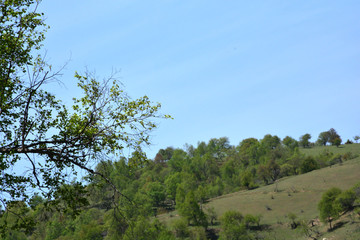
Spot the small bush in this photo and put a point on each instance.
(293, 223)
(335, 159)
(252, 221)
(233, 227)
(349, 156)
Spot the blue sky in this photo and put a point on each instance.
(231, 68)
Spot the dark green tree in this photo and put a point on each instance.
(157, 193)
(273, 170)
(249, 150)
(263, 173)
(171, 182)
(191, 210)
(304, 140)
(270, 142)
(333, 136)
(164, 155)
(324, 138)
(178, 160)
(337, 141)
(218, 148)
(290, 142)
(247, 180)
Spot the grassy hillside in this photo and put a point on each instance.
(354, 148)
(296, 194)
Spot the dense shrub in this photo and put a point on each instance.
(346, 199)
(309, 164)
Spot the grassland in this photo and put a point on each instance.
(342, 149)
(296, 194)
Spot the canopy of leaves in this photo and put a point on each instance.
(48, 139)
(329, 209)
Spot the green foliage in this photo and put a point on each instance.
(70, 198)
(346, 199)
(290, 142)
(35, 201)
(115, 223)
(269, 172)
(328, 207)
(249, 149)
(144, 229)
(309, 164)
(324, 138)
(171, 182)
(334, 137)
(177, 160)
(180, 196)
(89, 231)
(201, 194)
(230, 172)
(212, 215)
(233, 227)
(191, 211)
(337, 141)
(270, 142)
(180, 227)
(263, 173)
(157, 193)
(164, 154)
(22, 31)
(252, 221)
(304, 140)
(217, 148)
(247, 180)
(35, 125)
(16, 217)
(274, 170)
(287, 170)
(198, 233)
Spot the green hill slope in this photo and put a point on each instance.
(297, 194)
(342, 149)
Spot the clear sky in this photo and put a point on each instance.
(229, 68)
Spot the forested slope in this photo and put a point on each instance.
(264, 178)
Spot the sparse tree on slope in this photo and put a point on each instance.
(333, 137)
(328, 207)
(324, 138)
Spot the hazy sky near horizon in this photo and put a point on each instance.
(230, 68)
